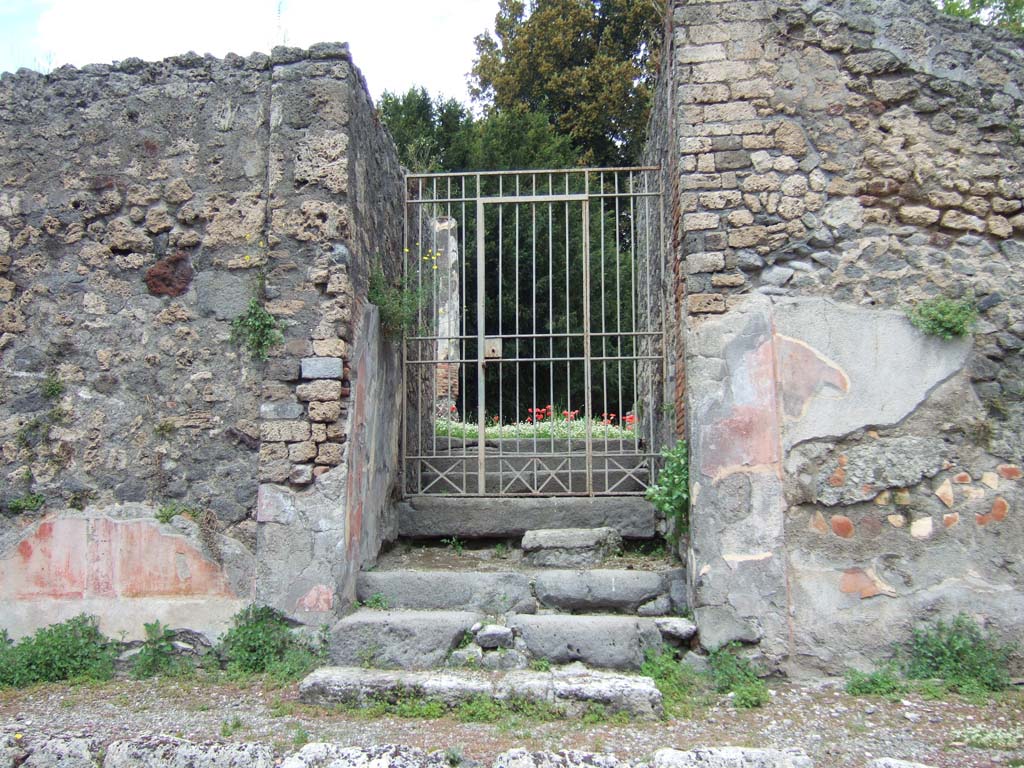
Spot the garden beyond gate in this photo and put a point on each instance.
(535, 357)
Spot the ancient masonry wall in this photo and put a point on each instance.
(851, 477)
(143, 206)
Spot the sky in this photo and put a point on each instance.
(396, 43)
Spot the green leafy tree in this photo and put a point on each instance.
(588, 64)
(430, 133)
(1007, 14)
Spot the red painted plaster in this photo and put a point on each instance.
(100, 557)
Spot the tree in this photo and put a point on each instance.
(430, 133)
(589, 65)
(435, 134)
(1007, 14)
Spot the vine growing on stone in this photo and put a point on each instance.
(257, 330)
(944, 317)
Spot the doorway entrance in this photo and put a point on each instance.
(536, 360)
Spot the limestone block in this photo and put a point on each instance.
(330, 454)
(324, 411)
(731, 757)
(705, 303)
(704, 262)
(323, 390)
(300, 452)
(284, 431)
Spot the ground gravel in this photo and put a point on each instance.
(835, 729)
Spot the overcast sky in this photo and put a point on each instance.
(396, 43)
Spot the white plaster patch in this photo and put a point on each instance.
(921, 528)
(735, 559)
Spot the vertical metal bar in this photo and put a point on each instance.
(533, 314)
(404, 421)
(480, 331)
(588, 439)
(515, 304)
(568, 332)
(632, 306)
(618, 305)
(551, 303)
(501, 329)
(420, 404)
(464, 331)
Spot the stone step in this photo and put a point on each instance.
(395, 639)
(609, 642)
(483, 592)
(432, 517)
(649, 593)
(399, 639)
(571, 690)
(570, 547)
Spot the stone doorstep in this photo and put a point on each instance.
(426, 517)
(570, 547)
(574, 689)
(422, 640)
(608, 590)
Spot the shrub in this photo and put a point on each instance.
(959, 653)
(882, 682)
(53, 387)
(943, 317)
(399, 306)
(261, 642)
(678, 683)
(671, 493)
(732, 673)
(30, 502)
(257, 330)
(157, 656)
(69, 650)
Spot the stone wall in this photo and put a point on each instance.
(143, 207)
(838, 162)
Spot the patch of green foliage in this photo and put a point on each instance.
(30, 502)
(455, 544)
(540, 665)
(36, 431)
(260, 642)
(1005, 14)
(556, 428)
(170, 510)
(961, 654)
(484, 709)
(376, 602)
(229, 727)
(257, 330)
(399, 305)
(74, 649)
(157, 655)
(944, 317)
(681, 686)
(671, 493)
(731, 673)
(301, 737)
(53, 387)
(885, 681)
(986, 737)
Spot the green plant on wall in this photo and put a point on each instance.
(399, 305)
(671, 493)
(257, 330)
(944, 317)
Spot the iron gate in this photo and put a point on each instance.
(536, 354)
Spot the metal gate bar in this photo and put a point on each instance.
(539, 236)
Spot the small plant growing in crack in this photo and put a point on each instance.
(455, 544)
